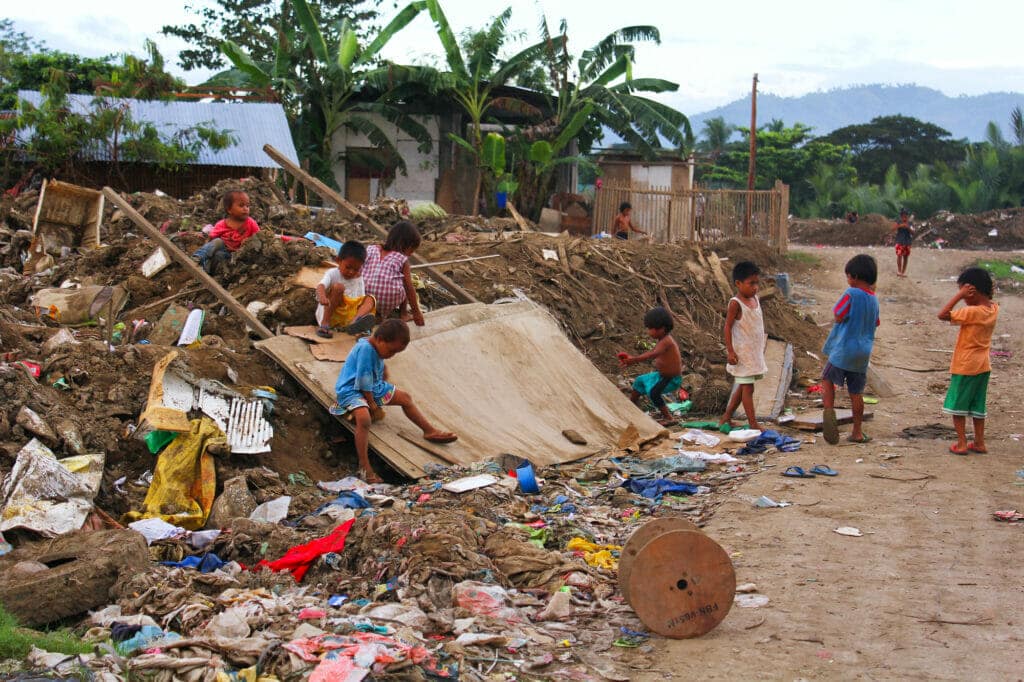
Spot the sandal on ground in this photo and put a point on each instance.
(830, 425)
(824, 470)
(361, 325)
(441, 438)
(974, 448)
(864, 438)
(797, 472)
(324, 332)
(955, 451)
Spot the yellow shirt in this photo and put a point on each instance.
(971, 355)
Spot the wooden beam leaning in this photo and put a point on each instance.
(183, 259)
(328, 194)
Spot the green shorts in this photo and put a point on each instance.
(966, 395)
(748, 380)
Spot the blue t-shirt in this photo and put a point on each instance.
(850, 342)
(363, 371)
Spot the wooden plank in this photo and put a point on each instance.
(520, 221)
(770, 393)
(812, 420)
(468, 259)
(183, 259)
(328, 194)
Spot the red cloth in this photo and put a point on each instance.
(298, 559)
(232, 238)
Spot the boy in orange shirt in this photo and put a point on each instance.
(971, 365)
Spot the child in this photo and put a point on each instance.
(745, 342)
(363, 391)
(624, 223)
(904, 238)
(341, 297)
(849, 346)
(229, 234)
(971, 366)
(388, 275)
(668, 364)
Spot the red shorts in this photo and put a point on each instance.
(902, 249)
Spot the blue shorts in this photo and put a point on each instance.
(382, 395)
(654, 386)
(855, 381)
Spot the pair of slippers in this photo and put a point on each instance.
(819, 469)
(830, 428)
(971, 447)
(360, 325)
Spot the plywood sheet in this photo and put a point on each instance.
(770, 392)
(504, 377)
(306, 332)
(336, 351)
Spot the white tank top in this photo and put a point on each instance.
(748, 340)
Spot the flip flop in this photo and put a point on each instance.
(361, 325)
(444, 438)
(324, 332)
(796, 472)
(864, 438)
(952, 448)
(830, 425)
(974, 448)
(824, 470)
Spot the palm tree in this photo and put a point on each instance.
(1017, 126)
(716, 136)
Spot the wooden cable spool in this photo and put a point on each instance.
(680, 582)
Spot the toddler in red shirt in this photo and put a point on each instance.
(229, 234)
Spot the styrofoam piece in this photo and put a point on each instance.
(467, 483)
(192, 330)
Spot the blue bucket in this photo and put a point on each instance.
(527, 479)
(501, 198)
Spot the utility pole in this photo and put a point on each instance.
(752, 168)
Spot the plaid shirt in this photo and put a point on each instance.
(384, 279)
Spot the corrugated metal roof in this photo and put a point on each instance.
(252, 124)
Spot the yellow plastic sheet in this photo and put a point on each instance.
(185, 481)
(596, 555)
(244, 675)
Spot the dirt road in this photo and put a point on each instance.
(883, 606)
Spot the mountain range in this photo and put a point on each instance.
(963, 116)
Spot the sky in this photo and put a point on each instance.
(711, 49)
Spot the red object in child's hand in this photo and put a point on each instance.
(622, 356)
(816, 388)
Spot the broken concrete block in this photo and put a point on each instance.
(236, 502)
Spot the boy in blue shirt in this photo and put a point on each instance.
(849, 346)
(363, 391)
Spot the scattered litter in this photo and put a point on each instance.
(744, 588)
(272, 511)
(1009, 515)
(157, 529)
(155, 263)
(467, 483)
(743, 435)
(766, 502)
(849, 531)
(750, 601)
(695, 437)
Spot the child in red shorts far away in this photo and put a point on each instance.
(745, 342)
(904, 238)
(971, 364)
(229, 234)
(849, 347)
(363, 390)
(668, 364)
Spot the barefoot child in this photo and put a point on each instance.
(229, 234)
(668, 364)
(624, 222)
(341, 297)
(849, 347)
(388, 275)
(363, 391)
(904, 238)
(971, 366)
(745, 342)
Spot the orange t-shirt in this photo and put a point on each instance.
(971, 355)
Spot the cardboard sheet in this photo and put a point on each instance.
(770, 392)
(504, 377)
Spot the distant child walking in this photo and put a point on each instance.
(745, 341)
(904, 238)
(849, 347)
(341, 297)
(971, 365)
(363, 390)
(667, 362)
(624, 222)
(229, 234)
(388, 275)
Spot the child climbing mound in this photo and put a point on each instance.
(229, 234)
(667, 362)
(971, 365)
(363, 391)
(341, 297)
(745, 342)
(388, 275)
(849, 347)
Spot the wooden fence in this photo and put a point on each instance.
(701, 215)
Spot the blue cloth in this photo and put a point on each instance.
(768, 439)
(144, 639)
(850, 342)
(363, 371)
(346, 499)
(654, 488)
(207, 563)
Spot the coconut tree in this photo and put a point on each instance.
(715, 136)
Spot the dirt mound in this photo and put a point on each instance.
(870, 230)
(999, 230)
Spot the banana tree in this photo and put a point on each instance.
(324, 98)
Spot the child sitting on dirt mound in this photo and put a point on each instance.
(341, 296)
(971, 364)
(745, 342)
(388, 275)
(363, 391)
(849, 347)
(229, 234)
(667, 361)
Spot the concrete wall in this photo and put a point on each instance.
(422, 169)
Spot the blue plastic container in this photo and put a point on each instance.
(527, 479)
(501, 198)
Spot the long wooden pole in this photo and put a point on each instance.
(169, 247)
(328, 194)
(752, 167)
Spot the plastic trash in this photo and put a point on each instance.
(766, 502)
(272, 511)
(527, 479)
(485, 600)
(750, 601)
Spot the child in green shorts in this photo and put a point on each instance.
(971, 365)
